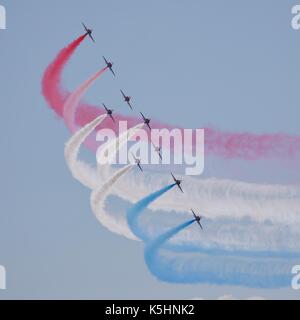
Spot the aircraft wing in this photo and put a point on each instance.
(200, 225)
(173, 177)
(129, 105)
(179, 186)
(123, 94)
(86, 29)
(143, 116)
(112, 71)
(104, 106)
(194, 213)
(92, 38)
(105, 59)
(157, 149)
(112, 118)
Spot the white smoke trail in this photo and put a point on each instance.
(218, 198)
(98, 197)
(74, 98)
(272, 211)
(87, 175)
(237, 216)
(241, 219)
(82, 171)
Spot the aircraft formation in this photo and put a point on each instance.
(127, 99)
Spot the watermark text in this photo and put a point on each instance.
(159, 146)
(296, 279)
(295, 23)
(2, 278)
(2, 18)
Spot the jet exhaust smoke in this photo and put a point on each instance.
(246, 146)
(73, 100)
(87, 175)
(79, 170)
(97, 200)
(220, 199)
(214, 269)
(52, 89)
(137, 209)
(197, 266)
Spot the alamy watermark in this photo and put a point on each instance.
(295, 22)
(2, 278)
(2, 18)
(296, 279)
(157, 146)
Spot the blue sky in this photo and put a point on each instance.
(233, 65)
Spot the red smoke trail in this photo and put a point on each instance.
(52, 90)
(72, 102)
(251, 146)
(226, 145)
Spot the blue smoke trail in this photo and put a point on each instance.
(137, 209)
(152, 246)
(264, 273)
(190, 266)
